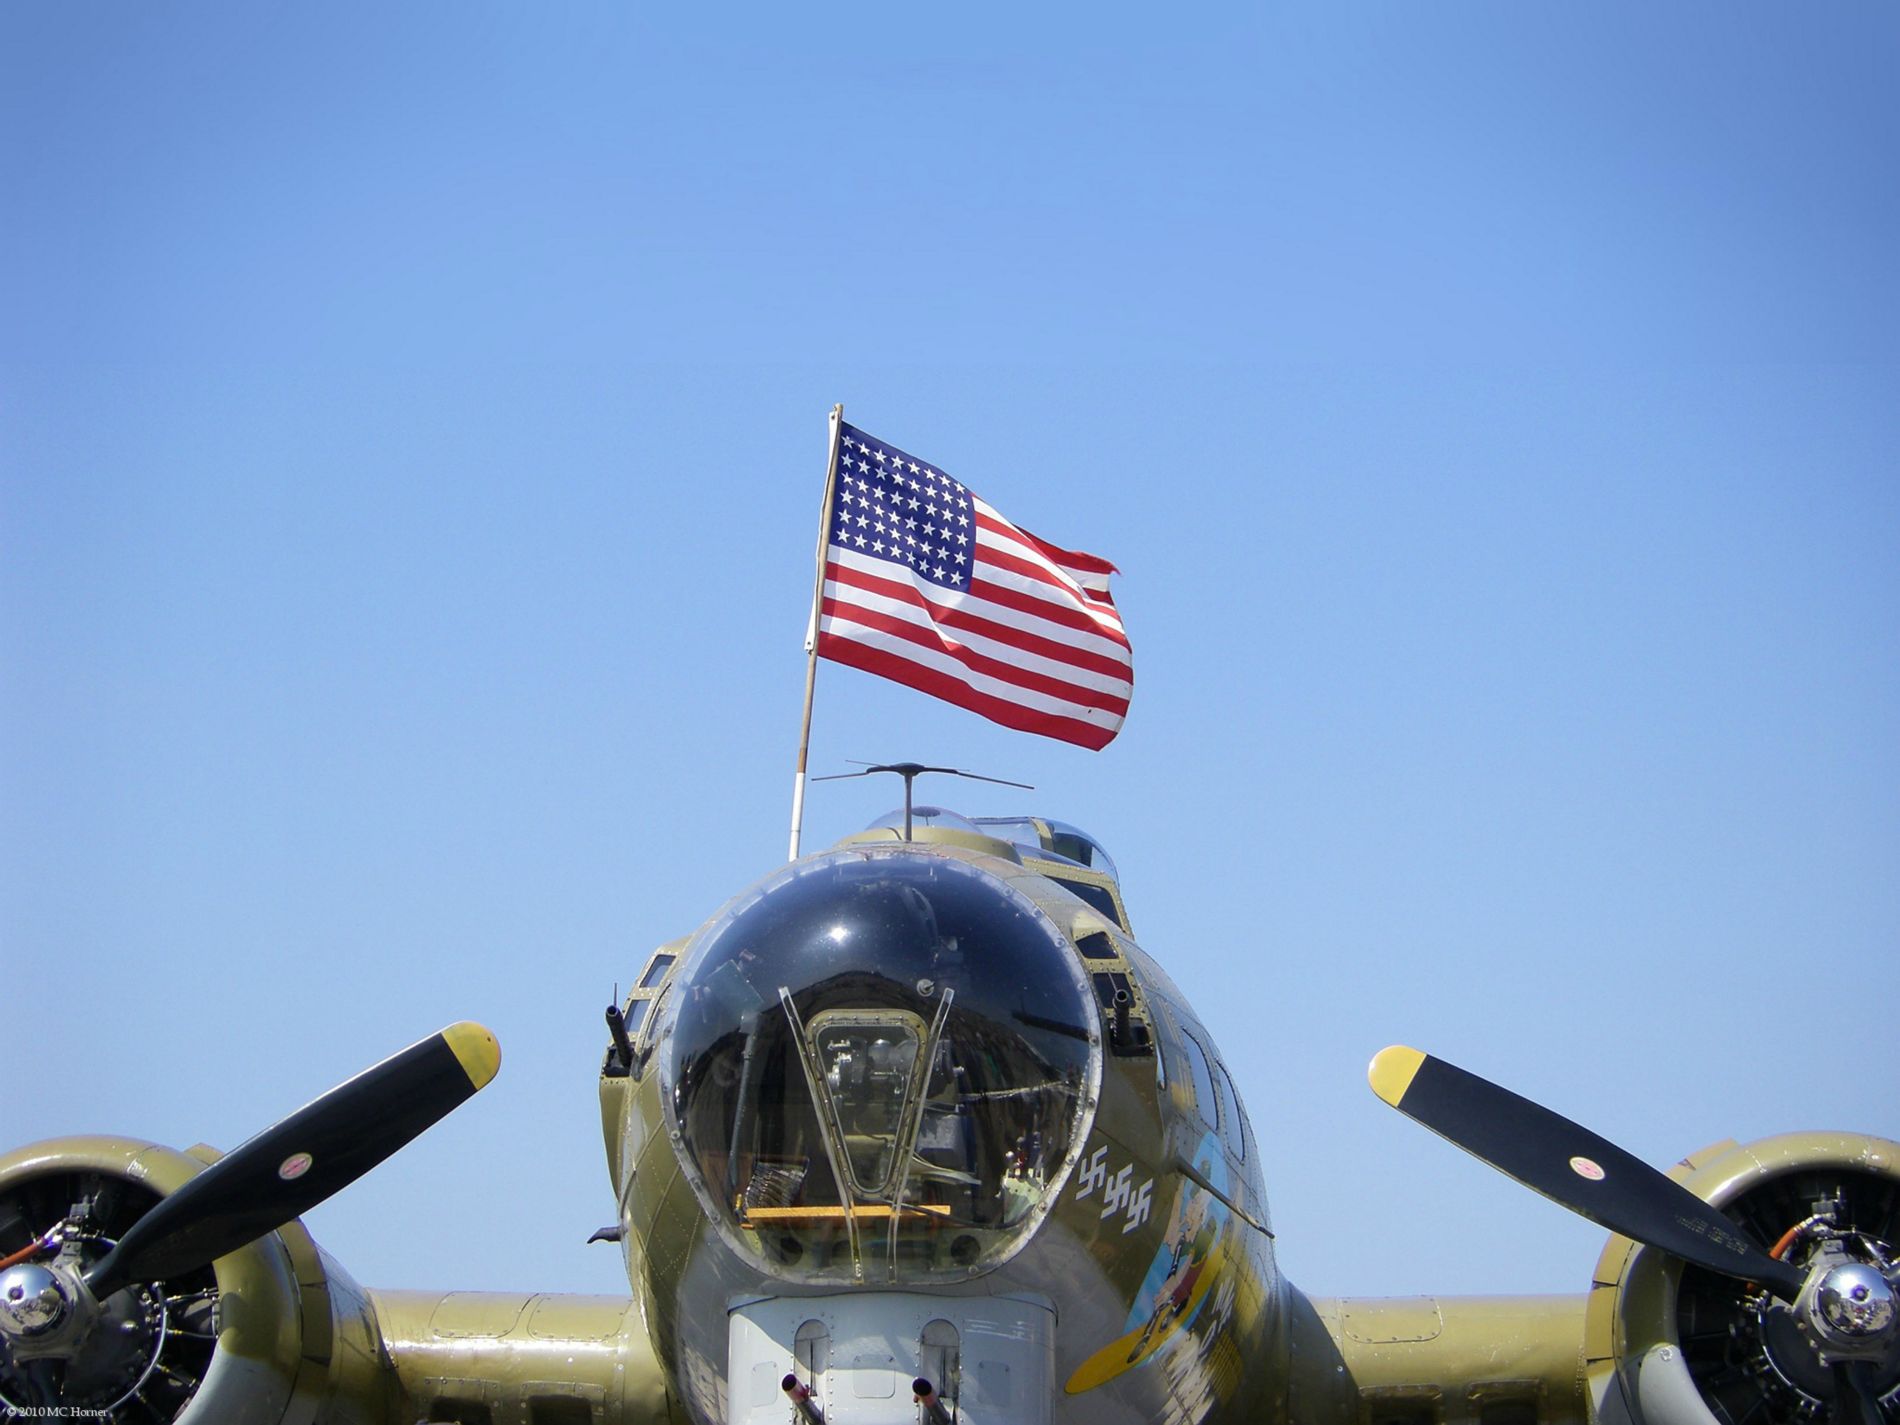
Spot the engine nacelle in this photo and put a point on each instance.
(1670, 1344)
(273, 1332)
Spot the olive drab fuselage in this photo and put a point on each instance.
(1132, 1206)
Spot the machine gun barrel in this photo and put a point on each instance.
(932, 1403)
(800, 1394)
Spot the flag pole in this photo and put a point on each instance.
(811, 631)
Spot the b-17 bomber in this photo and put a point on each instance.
(913, 1130)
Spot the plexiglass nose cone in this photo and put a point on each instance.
(881, 1056)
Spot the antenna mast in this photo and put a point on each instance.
(910, 771)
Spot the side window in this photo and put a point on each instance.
(1232, 1128)
(637, 1016)
(644, 1000)
(654, 1017)
(1202, 1077)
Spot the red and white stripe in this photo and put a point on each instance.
(1035, 644)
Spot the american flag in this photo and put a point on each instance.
(928, 585)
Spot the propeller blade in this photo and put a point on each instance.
(1571, 1165)
(1856, 1402)
(291, 1167)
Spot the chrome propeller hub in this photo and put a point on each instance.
(33, 1301)
(45, 1311)
(1854, 1301)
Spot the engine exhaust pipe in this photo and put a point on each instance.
(800, 1394)
(927, 1396)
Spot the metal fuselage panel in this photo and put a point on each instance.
(1154, 1253)
(860, 1354)
(1476, 1360)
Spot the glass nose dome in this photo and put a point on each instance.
(881, 1066)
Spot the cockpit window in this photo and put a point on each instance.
(1097, 896)
(880, 1065)
(1046, 837)
(1080, 847)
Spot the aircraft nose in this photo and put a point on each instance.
(884, 1055)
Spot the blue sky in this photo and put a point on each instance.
(411, 427)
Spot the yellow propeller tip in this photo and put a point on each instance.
(476, 1049)
(1391, 1071)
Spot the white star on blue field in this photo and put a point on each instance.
(890, 506)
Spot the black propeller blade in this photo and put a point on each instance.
(1855, 1396)
(1573, 1166)
(287, 1169)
